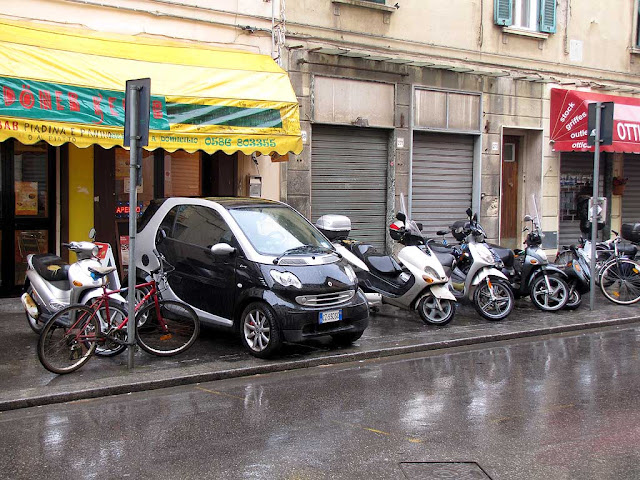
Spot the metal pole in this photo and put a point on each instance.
(134, 97)
(594, 208)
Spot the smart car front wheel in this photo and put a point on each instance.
(259, 330)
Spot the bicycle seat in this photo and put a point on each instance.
(101, 271)
(50, 267)
(628, 250)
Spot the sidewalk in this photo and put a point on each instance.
(218, 354)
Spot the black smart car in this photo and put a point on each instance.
(254, 265)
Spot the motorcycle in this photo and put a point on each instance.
(475, 272)
(531, 273)
(415, 282)
(52, 284)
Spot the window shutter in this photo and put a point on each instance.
(548, 16)
(502, 12)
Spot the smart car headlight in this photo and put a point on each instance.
(286, 279)
(351, 275)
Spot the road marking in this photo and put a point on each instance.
(237, 397)
(376, 431)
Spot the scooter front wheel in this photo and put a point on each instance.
(435, 311)
(549, 293)
(493, 299)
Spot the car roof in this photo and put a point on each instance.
(226, 202)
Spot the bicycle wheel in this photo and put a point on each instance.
(68, 339)
(620, 281)
(167, 330)
(114, 342)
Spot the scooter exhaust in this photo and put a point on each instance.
(29, 305)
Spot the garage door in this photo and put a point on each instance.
(349, 177)
(631, 197)
(442, 179)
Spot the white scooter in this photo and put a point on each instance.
(475, 272)
(417, 283)
(52, 284)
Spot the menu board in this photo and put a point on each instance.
(26, 198)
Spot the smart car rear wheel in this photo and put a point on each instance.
(259, 330)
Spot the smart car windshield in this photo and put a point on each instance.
(276, 230)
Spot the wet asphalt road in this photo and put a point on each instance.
(556, 407)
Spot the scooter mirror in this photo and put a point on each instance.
(442, 232)
(469, 211)
(419, 225)
(527, 218)
(92, 234)
(475, 217)
(401, 216)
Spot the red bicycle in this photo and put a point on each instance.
(75, 333)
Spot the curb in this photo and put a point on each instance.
(187, 379)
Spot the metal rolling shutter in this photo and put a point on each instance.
(349, 177)
(631, 197)
(573, 166)
(442, 180)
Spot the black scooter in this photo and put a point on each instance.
(531, 274)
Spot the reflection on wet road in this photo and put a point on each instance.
(562, 407)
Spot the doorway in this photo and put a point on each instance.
(27, 208)
(509, 224)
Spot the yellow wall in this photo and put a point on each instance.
(80, 192)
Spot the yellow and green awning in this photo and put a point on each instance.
(62, 85)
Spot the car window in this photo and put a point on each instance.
(275, 229)
(201, 226)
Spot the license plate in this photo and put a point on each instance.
(332, 316)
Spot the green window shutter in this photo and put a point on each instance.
(548, 16)
(502, 12)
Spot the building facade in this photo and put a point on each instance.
(450, 103)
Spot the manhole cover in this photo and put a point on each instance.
(443, 471)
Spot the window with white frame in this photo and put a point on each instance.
(525, 14)
(528, 15)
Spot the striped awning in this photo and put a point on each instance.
(63, 85)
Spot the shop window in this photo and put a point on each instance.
(145, 191)
(527, 15)
(31, 180)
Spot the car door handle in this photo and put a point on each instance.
(243, 266)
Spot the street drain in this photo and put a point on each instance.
(443, 471)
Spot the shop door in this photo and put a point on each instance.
(509, 225)
(631, 195)
(349, 177)
(576, 176)
(27, 213)
(441, 179)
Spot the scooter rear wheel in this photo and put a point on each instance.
(431, 314)
(549, 293)
(496, 306)
(575, 299)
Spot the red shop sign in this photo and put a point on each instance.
(569, 117)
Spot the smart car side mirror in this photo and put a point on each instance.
(160, 236)
(221, 249)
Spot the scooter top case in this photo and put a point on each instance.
(385, 275)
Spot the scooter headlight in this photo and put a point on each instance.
(485, 255)
(430, 275)
(351, 275)
(286, 279)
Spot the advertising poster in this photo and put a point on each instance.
(26, 198)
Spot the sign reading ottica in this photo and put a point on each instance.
(569, 129)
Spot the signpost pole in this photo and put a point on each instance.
(594, 208)
(133, 93)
